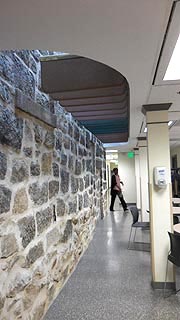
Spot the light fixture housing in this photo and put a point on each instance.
(164, 74)
(173, 69)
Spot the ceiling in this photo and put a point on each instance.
(126, 35)
(95, 94)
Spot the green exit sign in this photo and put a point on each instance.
(130, 154)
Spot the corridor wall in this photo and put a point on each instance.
(52, 189)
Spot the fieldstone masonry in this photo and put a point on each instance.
(52, 189)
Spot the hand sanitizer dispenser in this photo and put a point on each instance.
(160, 179)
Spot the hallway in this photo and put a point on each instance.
(111, 282)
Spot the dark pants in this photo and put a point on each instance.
(115, 193)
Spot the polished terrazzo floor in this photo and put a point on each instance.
(113, 283)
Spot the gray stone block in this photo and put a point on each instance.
(87, 183)
(20, 201)
(43, 219)
(63, 159)
(8, 245)
(53, 237)
(55, 168)
(74, 148)
(80, 201)
(35, 168)
(64, 181)
(60, 208)
(81, 184)
(6, 67)
(35, 253)
(27, 152)
(86, 200)
(49, 140)
(76, 134)
(38, 133)
(66, 143)
(73, 206)
(19, 171)
(78, 167)
(58, 140)
(89, 165)
(23, 78)
(70, 129)
(39, 192)
(42, 99)
(98, 164)
(67, 231)
(74, 184)
(11, 129)
(24, 55)
(6, 92)
(88, 140)
(80, 151)
(46, 163)
(27, 131)
(99, 150)
(17, 282)
(5, 199)
(82, 139)
(53, 188)
(3, 165)
(71, 163)
(27, 229)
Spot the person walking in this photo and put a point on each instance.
(116, 190)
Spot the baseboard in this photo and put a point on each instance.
(160, 285)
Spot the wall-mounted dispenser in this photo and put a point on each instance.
(160, 179)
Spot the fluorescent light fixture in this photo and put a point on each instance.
(173, 70)
(114, 145)
(114, 161)
(111, 151)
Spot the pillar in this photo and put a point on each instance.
(159, 198)
(137, 176)
(143, 171)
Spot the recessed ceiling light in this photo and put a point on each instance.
(170, 123)
(145, 129)
(115, 144)
(173, 69)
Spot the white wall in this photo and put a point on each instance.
(126, 168)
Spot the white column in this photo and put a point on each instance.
(160, 198)
(137, 176)
(144, 192)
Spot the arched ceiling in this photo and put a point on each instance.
(95, 94)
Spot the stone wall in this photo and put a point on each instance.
(52, 190)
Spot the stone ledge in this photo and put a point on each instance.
(26, 104)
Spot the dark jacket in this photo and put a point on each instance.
(113, 183)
